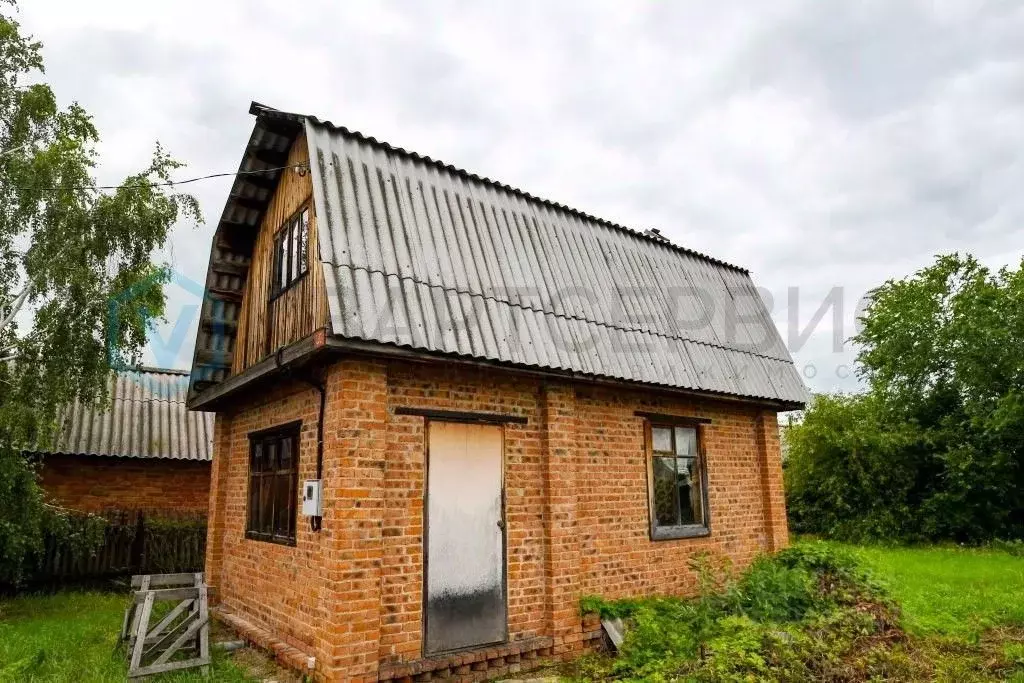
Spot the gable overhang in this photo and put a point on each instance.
(259, 172)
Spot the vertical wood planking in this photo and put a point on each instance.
(140, 633)
(264, 325)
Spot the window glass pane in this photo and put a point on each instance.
(282, 261)
(257, 457)
(666, 510)
(286, 249)
(271, 455)
(287, 448)
(252, 523)
(661, 439)
(304, 241)
(294, 236)
(281, 504)
(275, 278)
(266, 506)
(690, 499)
(686, 441)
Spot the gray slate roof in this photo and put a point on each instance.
(146, 418)
(423, 255)
(426, 256)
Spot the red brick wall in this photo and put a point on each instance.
(576, 506)
(95, 483)
(618, 558)
(278, 586)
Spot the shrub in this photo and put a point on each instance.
(933, 449)
(1014, 547)
(772, 591)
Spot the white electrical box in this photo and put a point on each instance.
(311, 490)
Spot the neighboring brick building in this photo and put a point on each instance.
(143, 451)
(510, 405)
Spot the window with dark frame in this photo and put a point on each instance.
(291, 251)
(678, 484)
(273, 485)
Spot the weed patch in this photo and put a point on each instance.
(812, 612)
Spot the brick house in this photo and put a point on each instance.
(143, 451)
(509, 404)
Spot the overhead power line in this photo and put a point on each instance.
(166, 183)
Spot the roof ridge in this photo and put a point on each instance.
(258, 109)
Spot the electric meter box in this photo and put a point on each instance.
(311, 491)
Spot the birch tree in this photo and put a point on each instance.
(68, 249)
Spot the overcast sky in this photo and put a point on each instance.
(819, 144)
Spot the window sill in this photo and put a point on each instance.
(265, 538)
(668, 533)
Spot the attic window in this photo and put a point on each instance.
(291, 252)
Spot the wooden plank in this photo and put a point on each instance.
(157, 630)
(185, 636)
(144, 584)
(169, 666)
(126, 621)
(164, 580)
(204, 631)
(158, 644)
(140, 632)
(167, 594)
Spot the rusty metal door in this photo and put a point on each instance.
(464, 598)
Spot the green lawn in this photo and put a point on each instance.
(73, 637)
(951, 591)
(963, 608)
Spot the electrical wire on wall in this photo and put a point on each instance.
(316, 522)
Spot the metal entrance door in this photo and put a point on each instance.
(465, 573)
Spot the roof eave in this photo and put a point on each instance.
(315, 348)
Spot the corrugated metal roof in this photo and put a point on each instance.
(424, 255)
(146, 418)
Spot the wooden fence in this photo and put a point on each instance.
(133, 543)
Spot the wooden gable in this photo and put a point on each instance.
(268, 322)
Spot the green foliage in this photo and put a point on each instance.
(935, 448)
(78, 532)
(174, 544)
(849, 472)
(21, 516)
(788, 617)
(1014, 547)
(817, 612)
(78, 286)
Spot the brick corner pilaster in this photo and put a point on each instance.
(218, 500)
(558, 402)
(776, 527)
(355, 421)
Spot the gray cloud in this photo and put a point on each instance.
(819, 144)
